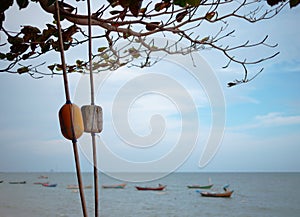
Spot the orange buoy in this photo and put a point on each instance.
(71, 114)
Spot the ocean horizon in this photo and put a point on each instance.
(255, 194)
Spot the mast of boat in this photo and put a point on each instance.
(209, 181)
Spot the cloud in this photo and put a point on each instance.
(272, 119)
(241, 151)
(277, 119)
(237, 98)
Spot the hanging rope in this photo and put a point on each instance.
(90, 53)
(70, 109)
(94, 108)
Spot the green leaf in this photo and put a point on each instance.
(135, 6)
(50, 2)
(5, 5)
(2, 56)
(30, 30)
(105, 56)
(45, 47)
(72, 68)
(15, 40)
(58, 67)
(134, 52)
(51, 67)
(183, 3)
(210, 15)
(22, 3)
(124, 3)
(101, 49)
(294, 3)
(115, 12)
(10, 56)
(79, 63)
(194, 3)
(25, 56)
(158, 6)
(113, 3)
(18, 48)
(152, 26)
(161, 5)
(180, 16)
(23, 69)
(203, 40)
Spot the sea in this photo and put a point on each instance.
(255, 195)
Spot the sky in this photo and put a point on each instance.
(151, 124)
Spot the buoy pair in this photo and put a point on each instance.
(74, 121)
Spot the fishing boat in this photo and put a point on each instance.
(201, 186)
(40, 183)
(77, 186)
(216, 194)
(159, 188)
(49, 185)
(207, 186)
(20, 182)
(43, 177)
(118, 186)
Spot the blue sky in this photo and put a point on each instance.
(262, 117)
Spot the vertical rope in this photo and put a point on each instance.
(93, 103)
(79, 180)
(68, 100)
(62, 54)
(95, 175)
(90, 53)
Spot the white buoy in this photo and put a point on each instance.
(92, 118)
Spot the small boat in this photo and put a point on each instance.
(72, 187)
(77, 187)
(216, 194)
(21, 182)
(43, 177)
(118, 186)
(201, 186)
(159, 188)
(40, 183)
(1, 181)
(49, 185)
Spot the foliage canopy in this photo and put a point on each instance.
(134, 21)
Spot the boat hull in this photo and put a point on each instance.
(117, 186)
(49, 185)
(216, 194)
(22, 182)
(159, 188)
(40, 183)
(200, 186)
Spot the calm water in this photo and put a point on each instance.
(255, 194)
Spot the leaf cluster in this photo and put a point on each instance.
(31, 38)
(32, 42)
(78, 67)
(133, 21)
(293, 3)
